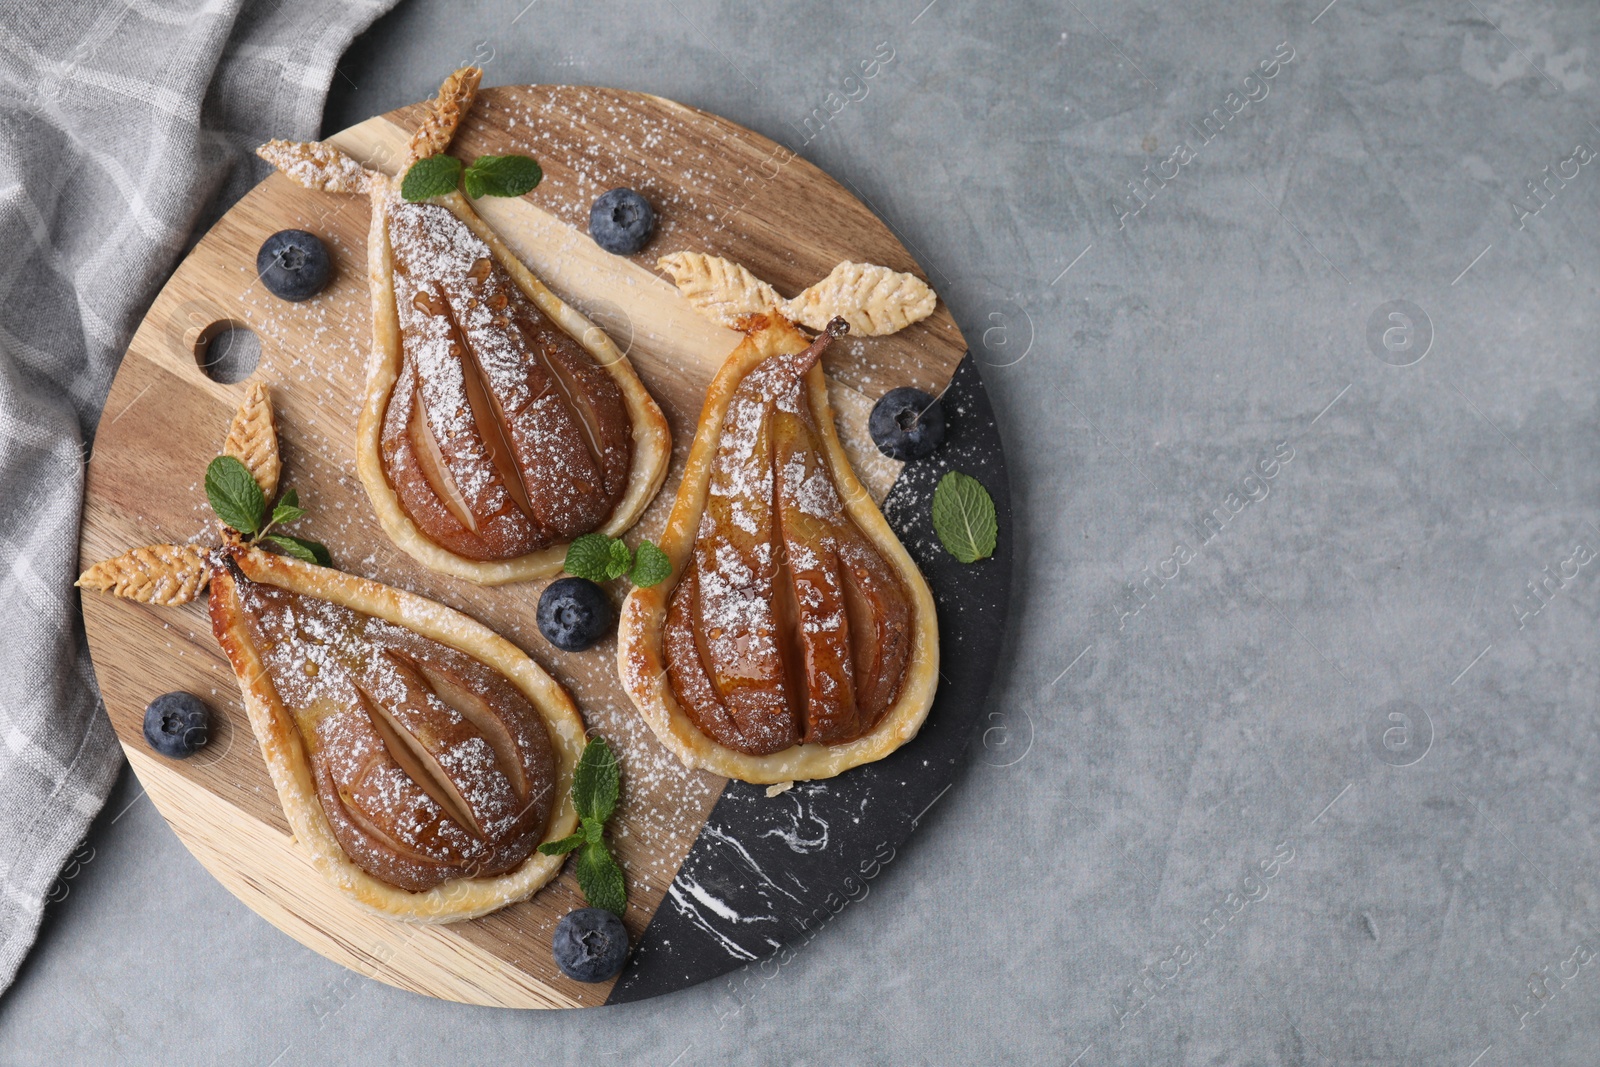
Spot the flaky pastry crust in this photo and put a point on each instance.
(167, 575)
(324, 167)
(286, 758)
(652, 440)
(641, 661)
(253, 439)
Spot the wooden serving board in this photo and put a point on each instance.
(716, 187)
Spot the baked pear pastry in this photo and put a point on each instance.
(795, 638)
(419, 757)
(499, 423)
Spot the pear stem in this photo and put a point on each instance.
(836, 327)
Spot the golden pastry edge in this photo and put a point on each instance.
(283, 749)
(641, 664)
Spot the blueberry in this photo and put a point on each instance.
(906, 423)
(294, 264)
(621, 221)
(176, 724)
(574, 613)
(590, 944)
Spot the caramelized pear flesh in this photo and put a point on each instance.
(429, 764)
(787, 626)
(502, 436)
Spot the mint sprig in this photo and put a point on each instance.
(501, 176)
(650, 566)
(596, 786)
(601, 879)
(602, 559)
(487, 176)
(430, 177)
(598, 558)
(287, 509)
(236, 497)
(618, 559)
(964, 517)
(301, 549)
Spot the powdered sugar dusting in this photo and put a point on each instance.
(432, 247)
(343, 675)
(462, 321)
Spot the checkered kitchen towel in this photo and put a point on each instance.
(125, 127)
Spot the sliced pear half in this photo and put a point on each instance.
(795, 637)
(499, 423)
(419, 757)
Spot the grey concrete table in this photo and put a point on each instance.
(1288, 312)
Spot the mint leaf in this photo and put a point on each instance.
(601, 879)
(234, 494)
(620, 560)
(598, 558)
(650, 566)
(434, 176)
(562, 847)
(501, 176)
(291, 547)
(288, 508)
(589, 557)
(301, 549)
(964, 518)
(597, 782)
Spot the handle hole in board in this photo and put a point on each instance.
(228, 352)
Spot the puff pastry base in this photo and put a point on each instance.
(323, 167)
(652, 440)
(286, 759)
(641, 662)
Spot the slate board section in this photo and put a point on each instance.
(767, 872)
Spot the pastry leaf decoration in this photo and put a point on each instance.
(720, 289)
(596, 785)
(876, 301)
(253, 438)
(964, 517)
(167, 575)
(601, 559)
(439, 174)
(239, 483)
(430, 177)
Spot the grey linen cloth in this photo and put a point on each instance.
(124, 129)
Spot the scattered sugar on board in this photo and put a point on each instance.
(661, 791)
